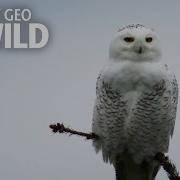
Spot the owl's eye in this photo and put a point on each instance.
(129, 39)
(149, 39)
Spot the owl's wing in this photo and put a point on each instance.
(153, 119)
(110, 111)
(174, 92)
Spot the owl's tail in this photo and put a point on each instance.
(127, 169)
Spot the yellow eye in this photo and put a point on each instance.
(129, 39)
(149, 39)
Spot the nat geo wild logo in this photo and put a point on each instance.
(18, 29)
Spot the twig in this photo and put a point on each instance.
(168, 166)
(164, 161)
(60, 128)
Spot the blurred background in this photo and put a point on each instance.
(57, 84)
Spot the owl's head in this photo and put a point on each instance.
(135, 43)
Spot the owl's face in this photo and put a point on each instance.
(135, 43)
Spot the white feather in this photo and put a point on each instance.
(136, 101)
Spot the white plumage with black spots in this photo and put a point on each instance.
(135, 108)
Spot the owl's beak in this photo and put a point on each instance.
(139, 50)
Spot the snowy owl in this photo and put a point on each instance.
(136, 101)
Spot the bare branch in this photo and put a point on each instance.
(168, 166)
(164, 161)
(60, 128)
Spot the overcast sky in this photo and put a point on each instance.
(57, 84)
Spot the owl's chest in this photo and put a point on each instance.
(134, 76)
